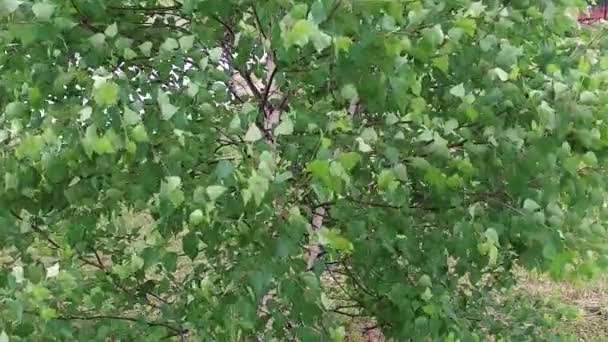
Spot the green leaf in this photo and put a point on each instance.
(253, 133)
(170, 189)
(337, 334)
(530, 205)
(198, 196)
(224, 169)
(400, 171)
(349, 92)
(130, 117)
(343, 43)
(4, 337)
(501, 74)
(103, 145)
(434, 35)
(145, 48)
(196, 217)
(320, 40)
(106, 93)
(215, 191)
(508, 55)
(458, 90)
(468, 26)
(215, 54)
(193, 89)
(369, 135)
(43, 10)
(139, 134)
(386, 180)
(9, 6)
(284, 128)
(111, 31)
(349, 160)
(317, 12)
(300, 34)
(442, 63)
(333, 239)
(52, 271)
(30, 147)
(167, 110)
(319, 169)
(98, 40)
(363, 146)
(426, 295)
(493, 255)
(186, 42)
(47, 313)
(129, 54)
(549, 250)
(476, 9)
(190, 245)
(169, 45)
(258, 186)
(425, 281)
(11, 181)
(492, 236)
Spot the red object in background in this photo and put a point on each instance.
(595, 13)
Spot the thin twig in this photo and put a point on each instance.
(264, 100)
(258, 22)
(224, 24)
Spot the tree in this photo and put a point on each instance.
(231, 169)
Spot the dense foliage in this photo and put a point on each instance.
(225, 170)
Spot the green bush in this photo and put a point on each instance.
(233, 169)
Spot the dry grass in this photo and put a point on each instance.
(582, 308)
(588, 298)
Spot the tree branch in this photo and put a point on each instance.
(374, 204)
(146, 9)
(264, 100)
(121, 318)
(84, 21)
(224, 24)
(316, 223)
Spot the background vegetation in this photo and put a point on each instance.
(297, 170)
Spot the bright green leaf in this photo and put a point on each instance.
(106, 93)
